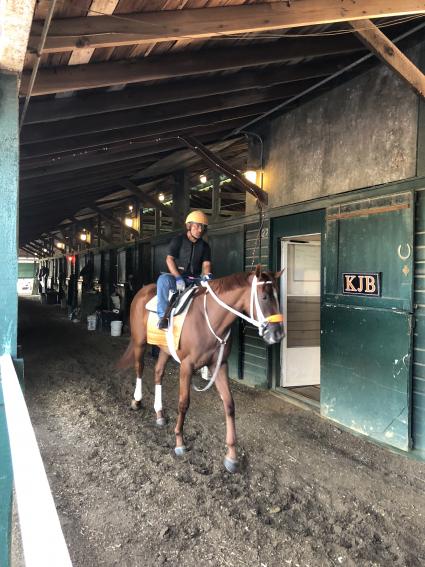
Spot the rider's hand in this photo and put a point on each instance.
(180, 284)
(206, 277)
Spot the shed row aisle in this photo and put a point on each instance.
(309, 494)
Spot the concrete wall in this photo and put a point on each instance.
(361, 133)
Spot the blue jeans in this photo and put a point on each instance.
(165, 283)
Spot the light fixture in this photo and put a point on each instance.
(60, 245)
(203, 178)
(130, 208)
(250, 175)
(161, 197)
(128, 221)
(45, 250)
(83, 236)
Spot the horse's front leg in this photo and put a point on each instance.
(223, 388)
(139, 352)
(186, 370)
(159, 374)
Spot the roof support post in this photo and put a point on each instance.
(157, 221)
(9, 175)
(216, 200)
(181, 198)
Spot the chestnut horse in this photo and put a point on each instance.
(203, 342)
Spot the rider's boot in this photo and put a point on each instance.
(163, 323)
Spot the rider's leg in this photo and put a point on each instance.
(159, 374)
(165, 283)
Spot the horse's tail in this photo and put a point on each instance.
(127, 358)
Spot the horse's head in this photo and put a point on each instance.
(264, 305)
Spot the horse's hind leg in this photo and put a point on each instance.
(159, 374)
(222, 385)
(139, 353)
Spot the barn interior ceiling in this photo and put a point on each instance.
(109, 87)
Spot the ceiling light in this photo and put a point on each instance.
(250, 175)
(130, 208)
(128, 222)
(161, 197)
(83, 236)
(203, 178)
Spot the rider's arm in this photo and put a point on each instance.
(206, 267)
(172, 267)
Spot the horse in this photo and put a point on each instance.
(204, 342)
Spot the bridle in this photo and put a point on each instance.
(261, 322)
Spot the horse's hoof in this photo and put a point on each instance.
(231, 465)
(160, 422)
(179, 451)
(135, 405)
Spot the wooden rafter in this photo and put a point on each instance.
(158, 113)
(80, 77)
(182, 90)
(146, 28)
(167, 130)
(390, 54)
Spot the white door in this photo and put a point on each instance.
(300, 295)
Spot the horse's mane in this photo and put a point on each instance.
(229, 283)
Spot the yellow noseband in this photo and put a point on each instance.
(277, 318)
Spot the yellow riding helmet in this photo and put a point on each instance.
(197, 216)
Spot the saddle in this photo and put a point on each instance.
(177, 309)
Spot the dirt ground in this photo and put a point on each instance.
(309, 494)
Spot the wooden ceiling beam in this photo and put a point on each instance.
(159, 113)
(390, 54)
(79, 77)
(163, 131)
(88, 104)
(114, 153)
(170, 25)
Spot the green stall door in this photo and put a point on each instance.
(366, 341)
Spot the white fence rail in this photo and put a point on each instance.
(42, 538)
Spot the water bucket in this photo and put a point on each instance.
(91, 323)
(116, 328)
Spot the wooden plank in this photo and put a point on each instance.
(182, 90)
(167, 130)
(81, 56)
(80, 77)
(367, 212)
(170, 25)
(158, 113)
(385, 49)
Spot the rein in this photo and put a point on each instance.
(261, 323)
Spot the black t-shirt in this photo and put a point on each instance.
(188, 255)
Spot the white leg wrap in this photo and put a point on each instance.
(138, 390)
(157, 406)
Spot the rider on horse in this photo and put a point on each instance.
(188, 260)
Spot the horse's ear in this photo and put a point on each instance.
(278, 274)
(258, 271)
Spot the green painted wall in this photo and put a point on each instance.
(9, 134)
